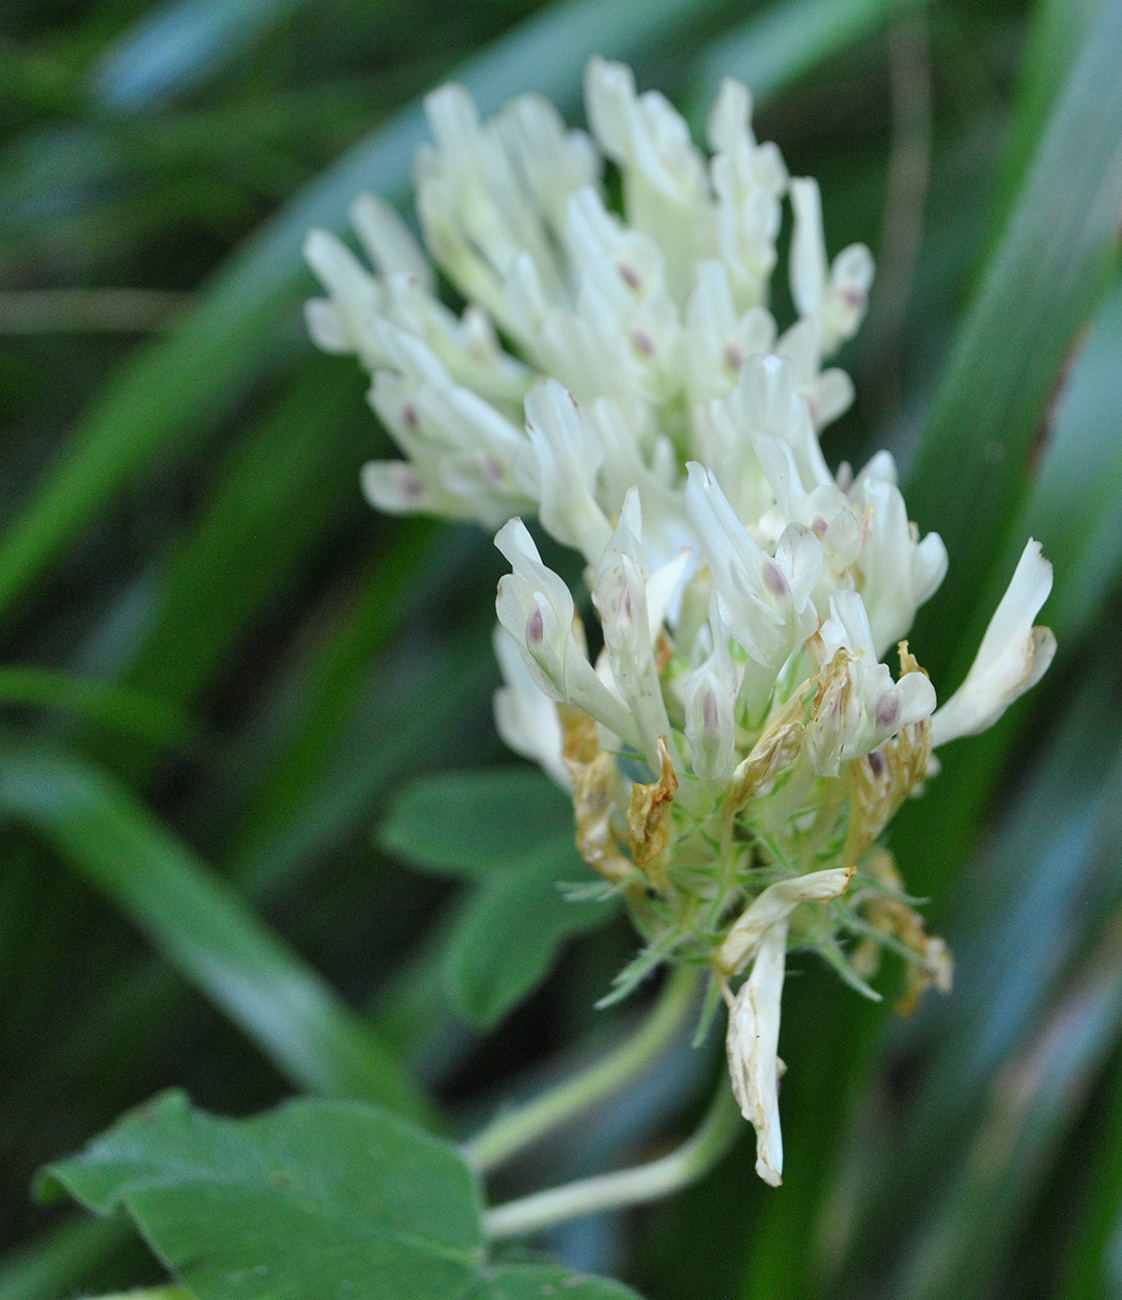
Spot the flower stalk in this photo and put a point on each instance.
(693, 1159)
(510, 1133)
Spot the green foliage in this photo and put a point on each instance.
(316, 1198)
(221, 673)
(474, 825)
(200, 926)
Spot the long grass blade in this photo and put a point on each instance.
(1040, 289)
(159, 402)
(201, 926)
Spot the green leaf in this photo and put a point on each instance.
(201, 926)
(142, 714)
(1031, 1106)
(61, 1260)
(511, 929)
(1057, 32)
(312, 1199)
(271, 504)
(1075, 506)
(1093, 1270)
(475, 823)
(540, 1281)
(1040, 289)
(157, 404)
(397, 580)
(176, 46)
(397, 724)
(774, 48)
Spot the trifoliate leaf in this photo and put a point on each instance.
(477, 822)
(314, 1200)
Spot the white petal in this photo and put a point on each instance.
(326, 327)
(388, 241)
(775, 904)
(753, 1050)
(1006, 664)
(526, 719)
(808, 247)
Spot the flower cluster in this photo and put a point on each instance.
(737, 746)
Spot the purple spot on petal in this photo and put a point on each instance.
(876, 762)
(888, 710)
(709, 717)
(774, 580)
(819, 525)
(535, 628)
(734, 358)
(492, 470)
(409, 416)
(643, 342)
(629, 275)
(411, 486)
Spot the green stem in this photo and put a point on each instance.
(628, 1186)
(520, 1128)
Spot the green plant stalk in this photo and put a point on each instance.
(512, 1132)
(649, 1182)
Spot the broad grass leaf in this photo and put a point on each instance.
(205, 930)
(1041, 287)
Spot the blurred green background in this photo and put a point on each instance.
(220, 668)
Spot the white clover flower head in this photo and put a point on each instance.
(738, 745)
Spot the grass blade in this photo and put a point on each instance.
(201, 927)
(775, 48)
(1031, 1106)
(159, 401)
(1040, 289)
(143, 715)
(178, 46)
(61, 1260)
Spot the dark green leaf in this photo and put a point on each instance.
(60, 1261)
(1075, 507)
(1031, 1106)
(511, 929)
(312, 1199)
(398, 578)
(178, 45)
(284, 487)
(1057, 32)
(1094, 1270)
(474, 823)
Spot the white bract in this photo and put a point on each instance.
(738, 745)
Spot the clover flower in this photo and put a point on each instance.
(737, 746)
